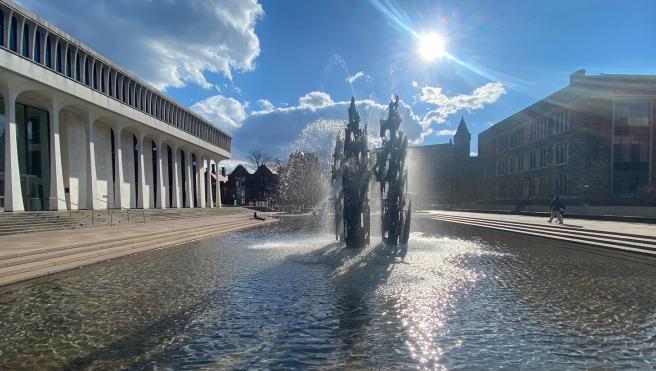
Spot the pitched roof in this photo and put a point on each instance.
(462, 127)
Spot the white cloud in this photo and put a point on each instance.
(314, 100)
(308, 125)
(358, 75)
(445, 105)
(445, 133)
(226, 113)
(415, 84)
(167, 43)
(265, 105)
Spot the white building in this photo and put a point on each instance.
(78, 132)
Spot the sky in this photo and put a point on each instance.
(278, 74)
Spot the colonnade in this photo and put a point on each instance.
(98, 159)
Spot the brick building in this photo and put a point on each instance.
(250, 189)
(591, 142)
(440, 174)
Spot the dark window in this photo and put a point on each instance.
(130, 94)
(2, 27)
(37, 47)
(102, 79)
(13, 34)
(631, 152)
(58, 58)
(69, 61)
(125, 90)
(135, 146)
(78, 76)
(26, 41)
(48, 52)
(111, 83)
(87, 72)
(153, 151)
(95, 76)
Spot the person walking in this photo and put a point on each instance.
(556, 209)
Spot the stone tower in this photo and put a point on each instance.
(462, 140)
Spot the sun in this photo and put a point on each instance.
(431, 46)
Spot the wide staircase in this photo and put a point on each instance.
(613, 240)
(58, 252)
(40, 221)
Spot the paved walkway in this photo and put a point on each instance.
(583, 224)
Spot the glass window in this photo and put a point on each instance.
(48, 52)
(13, 34)
(33, 156)
(2, 27)
(631, 133)
(77, 66)
(26, 41)
(37, 47)
(2, 152)
(87, 72)
(95, 76)
(69, 59)
(102, 79)
(58, 58)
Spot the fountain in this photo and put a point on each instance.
(350, 175)
(392, 175)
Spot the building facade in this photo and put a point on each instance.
(79, 132)
(440, 175)
(591, 142)
(251, 189)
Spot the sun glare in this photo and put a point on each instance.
(431, 46)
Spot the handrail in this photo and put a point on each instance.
(109, 211)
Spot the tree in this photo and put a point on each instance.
(258, 158)
(301, 182)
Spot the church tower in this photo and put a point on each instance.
(461, 140)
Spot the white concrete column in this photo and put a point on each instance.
(208, 185)
(142, 202)
(176, 167)
(190, 183)
(217, 195)
(92, 188)
(200, 169)
(118, 166)
(57, 195)
(13, 191)
(161, 196)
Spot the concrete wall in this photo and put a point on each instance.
(149, 189)
(74, 159)
(129, 199)
(103, 150)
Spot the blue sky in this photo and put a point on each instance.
(274, 73)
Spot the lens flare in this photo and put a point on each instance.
(431, 46)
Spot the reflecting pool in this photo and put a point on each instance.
(275, 298)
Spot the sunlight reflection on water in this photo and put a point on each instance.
(281, 299)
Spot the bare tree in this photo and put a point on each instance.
(258, 158)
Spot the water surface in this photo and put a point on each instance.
(274, 298)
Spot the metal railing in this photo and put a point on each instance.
(110, 211)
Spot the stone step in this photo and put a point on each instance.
(618, 235)
(576, 234)
(5, 264)
(63, 256)
(39, 270)
(106, 241)
(28, 222)
(569, 237)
